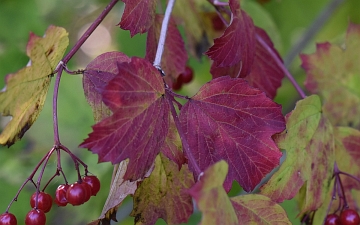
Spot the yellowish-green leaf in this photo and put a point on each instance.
(218, 208)
(259, 209)
(25, 92)
(334, 73)
(164, 194)
(309, 144)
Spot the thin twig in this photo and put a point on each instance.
(164, 27)
(62, 64)
(281, 65)
(184, 142)
(311, 31)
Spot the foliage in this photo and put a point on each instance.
(169, 149)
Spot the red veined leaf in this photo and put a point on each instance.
(236, 47)
(138, 15)
(228, 119)
(135, 96)
(96, 76)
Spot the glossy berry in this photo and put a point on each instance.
(76, 194)
(87, 191)
(349, 217)
(217, 23)
(332, 219)
(35, 217)
(176, 85)
(60, 195)
(8, 219)
(94, 183)
(44, 201)
(187, 75)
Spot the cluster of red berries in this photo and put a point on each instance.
(184, 78)
(41, 202)
(347, 217)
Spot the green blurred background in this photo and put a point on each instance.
(286, 21)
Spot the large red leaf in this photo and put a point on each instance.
(138, 15)
(236, 47)
(175, 56)
(96, 76)
(140, 121)
(228, 119)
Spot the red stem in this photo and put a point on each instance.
(66, 59)
(184, 142)
(27, 180)
(281, 65)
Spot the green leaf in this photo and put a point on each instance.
(309, 144)
(164, 194)
(333, 72)
(25, 92)
(218, 208)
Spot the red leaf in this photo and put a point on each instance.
(97, 74)
(265, 73)
(135, 96)
(236, 47)
(227, 119)
(138, 15)
(175, 56)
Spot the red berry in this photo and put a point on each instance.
(35, 217)
(76, 194)
(8, 219)
(176, 85)
(217, 23)
(60, 195)
(44, 201)
(332, 219)
(87, 191)
(187, 75)
(94, 183)
(349, 217)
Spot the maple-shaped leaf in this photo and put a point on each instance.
(138, 15)
(309, 144)
(140, 121)
(236, 47)
(25, 92)
(347, 153)
(96, 76)
(228, 119)
(218, 208)
(174, 57)
(265, 72)
(334, 73)
(164, 194)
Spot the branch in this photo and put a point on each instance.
(62, 64)
(311, 31)
(164, 26)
